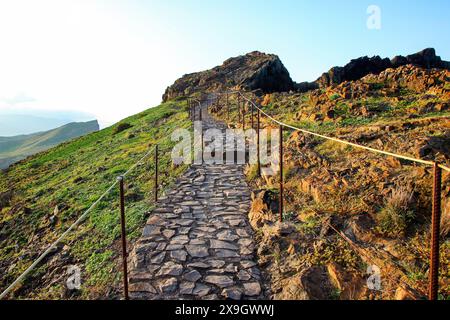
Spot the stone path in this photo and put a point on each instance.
(198, 243)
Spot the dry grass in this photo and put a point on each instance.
(445, 220)
(395, 216)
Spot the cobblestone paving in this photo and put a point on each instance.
(198, 243)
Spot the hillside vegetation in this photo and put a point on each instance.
(41, 196)
(345, 208)
(381, 204)
(13, 149)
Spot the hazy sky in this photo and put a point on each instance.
(113, 58)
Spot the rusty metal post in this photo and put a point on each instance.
(243, 116)
(435, 232)
(258, 152)
(190, 108)
(281, 174)
(156, 173)
(228, 109)
(239, 107)
(252, 124)
(218, 104)
(203, 150)
(124, 239)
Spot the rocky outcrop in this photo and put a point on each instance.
(252, 71)
(266, 72)
(426, 58)
(358, 68)
(306, 86)
(354, 70)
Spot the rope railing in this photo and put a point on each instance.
(195, 107)
(71, 227)
(54, 244)
(437, 181)
(392, 154)
(119, 181)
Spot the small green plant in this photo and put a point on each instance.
(395, 216)
(289, 216)
(309, 226)
(335, 294)
(342, 109)
(334, 97)
(377, 85)
(252, 173)
(337, 251)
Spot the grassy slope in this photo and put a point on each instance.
(16, 148)
(72, 176)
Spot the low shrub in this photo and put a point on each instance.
(395, 216)
(122, 127)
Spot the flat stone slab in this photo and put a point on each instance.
(197, 251)
(252, 289)
(218, 244)
(220, 281)
(170, 269)
(168, 285)
(192, 276)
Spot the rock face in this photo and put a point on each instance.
(252, 71)
(358, 68)
(354, 70)
(426, 58)
(267, 73)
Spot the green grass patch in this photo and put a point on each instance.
(72, 176)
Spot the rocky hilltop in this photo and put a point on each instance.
(255, 70)
(363, 66)
(266, 72)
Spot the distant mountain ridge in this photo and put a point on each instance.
(16, 148)
(20, 120)
(21, 124)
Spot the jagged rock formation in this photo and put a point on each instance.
(363, 66)
(252, 71)
(266, 72)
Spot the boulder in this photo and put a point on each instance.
(5, 198)
(317, 283)
(253, 71)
